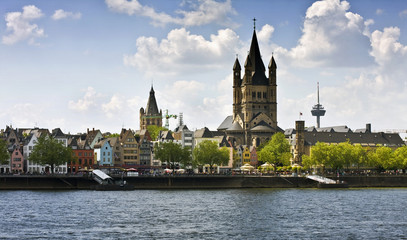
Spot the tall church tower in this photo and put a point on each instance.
(151, 116)
(254, 117)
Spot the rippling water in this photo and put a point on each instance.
(205, 214)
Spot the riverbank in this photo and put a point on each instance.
(62, 182)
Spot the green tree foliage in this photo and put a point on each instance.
(338, 156)
(4, 155)
(384, 159)
(155, 130)
(276, 151)
(112, 135)
(400, 154)
(173, 153)
(208, 152)
(48, 151)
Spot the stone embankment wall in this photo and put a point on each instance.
(191, 182)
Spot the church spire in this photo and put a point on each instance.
(152, 103)
(256, 63)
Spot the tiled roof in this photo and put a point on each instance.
(371, 139)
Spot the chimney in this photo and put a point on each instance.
(369, 127)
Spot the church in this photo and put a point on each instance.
(254, 118)
(151, 115)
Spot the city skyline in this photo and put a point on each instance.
(76, 65)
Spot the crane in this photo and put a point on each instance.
(167, 117)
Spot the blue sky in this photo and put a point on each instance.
(84, 64)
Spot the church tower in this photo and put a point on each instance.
(254, 117)
(151, 115)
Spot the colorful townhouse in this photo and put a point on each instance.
(128, 141)
(104, 153)
(16, 160)
(83, 155)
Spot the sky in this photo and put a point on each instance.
(90, 64)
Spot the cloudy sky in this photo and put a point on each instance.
(83, 64)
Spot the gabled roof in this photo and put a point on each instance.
(181, 128)
(203, 133)
(166, 135)
(57, 133)
(262, 126)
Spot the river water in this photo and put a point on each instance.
(205, 214)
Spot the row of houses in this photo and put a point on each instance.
(94, 149)
(135, 148)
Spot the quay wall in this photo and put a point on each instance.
(191, 182)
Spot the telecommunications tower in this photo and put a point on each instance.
(318, 110)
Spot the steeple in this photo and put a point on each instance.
(236, 66)
(152, 108)
(255, 63)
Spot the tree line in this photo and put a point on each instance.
(345, 155)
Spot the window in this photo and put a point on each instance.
(264, 95)
(258, 95)
(253, 94)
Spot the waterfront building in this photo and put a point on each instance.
(29, 144)
(130, 148)
(62, 138)
(302, 139)
(93, 136)
(16, 159)
(253, 156)
(186, 136)
(165, 136)
(84, 158)
(206, 134)
(254, 117)
(145, 147)
(104, 153)
(151, 115)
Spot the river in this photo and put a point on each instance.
(205, 214)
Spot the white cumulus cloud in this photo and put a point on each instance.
(88, 100)
(332, 36)
(205, 12)
(113, 106)
(184, 51)
(20, 26)
(61, 14)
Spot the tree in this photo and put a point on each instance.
(48, 151)
(154, 130)
(276, 151)
(382, 158)
(320, 153)
(4, 155)
(208, 152)
(173, 153)
(359, 156)
(400, 154)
